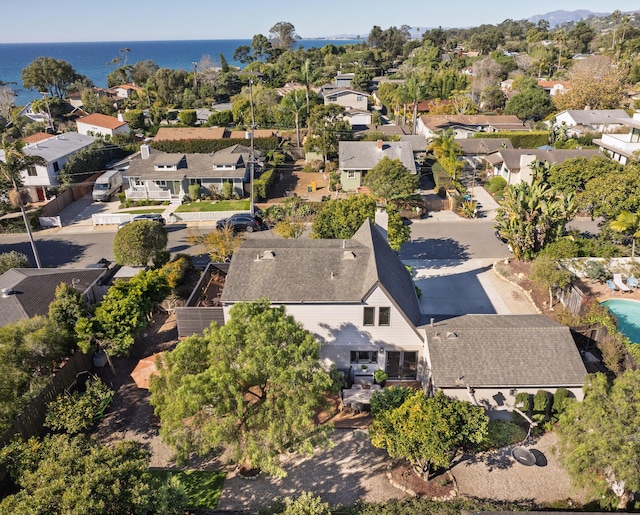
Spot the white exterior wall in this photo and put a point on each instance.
(349, 100)
(340, 329)
(359, 119)
(85, 128)
(500, 399)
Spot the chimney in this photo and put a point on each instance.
(432, 321)
(379, 142)
(382, 221)
(145, 151)
(6, 292)
(120, 117)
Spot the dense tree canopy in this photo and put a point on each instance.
(608, 195)
(46, 74)
(252, 385)
(604, 456)
(139, 242)
(62, 474)
(531, 103)
(13, 259)
(572, 175)
(427, 431)
(390, 178)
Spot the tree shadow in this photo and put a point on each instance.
(435, 248)
(493, 459)
(53, 252)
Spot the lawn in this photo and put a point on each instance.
(220, 205)
(203, 487)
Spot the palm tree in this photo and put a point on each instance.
(13, 163)
(295, 102)
(446, 150)
(628, 222)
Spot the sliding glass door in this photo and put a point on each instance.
(402, 365)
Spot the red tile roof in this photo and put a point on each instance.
(102, 120)
(37, 137)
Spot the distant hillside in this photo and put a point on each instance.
(560, 17)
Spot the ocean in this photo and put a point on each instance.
(94, 59)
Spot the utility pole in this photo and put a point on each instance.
(251, 156)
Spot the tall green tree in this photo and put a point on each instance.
(446, 150)
(428, 431)
(532, 215)
(140, 242)
(46, 74)
(546, 271)
(13, 163)
(295, 103)
(572, 175)
(608, 195)
(390, 178)
(629, 223)
(62, 474)
(598, 438)
(252, 385)
(328, 127)
(67, 307)
(531, 103)
(283, 35)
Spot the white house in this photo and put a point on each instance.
(357, 117)
(621, 147)
(347, 98)
(56, 151)
(355, 296)
(581, 121)
(515, 165)
(465, 126)
(102, 125)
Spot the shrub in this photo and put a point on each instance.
(523, 399)
(227, 190)
(502, 433)
(519, 139)
(496, 184)
(263, 184)
(389, 398)
(175, 270)
(76, 412)
(194, 191)
(542, 402)
(188, 117)
(13, 259)
(441, 178)
(122, 197)
(560, 400)
(595, 271)
(305, 504)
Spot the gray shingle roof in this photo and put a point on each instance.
(503, 350)
(598, 116)
(511, 157)
(320, 271)
(34, 289)
(364, 155)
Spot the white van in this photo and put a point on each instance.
(106, 185)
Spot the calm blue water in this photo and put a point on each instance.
(628, 314)
(92, 59)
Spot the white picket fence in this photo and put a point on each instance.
(111, 219)
(50, 221)
(206, 216)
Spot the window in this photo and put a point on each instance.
(195, 181)
(402, 365)
(369, 316)
(364, 356)
(56, 167)
(31, 171)
(161, 183)
(384, 316)
(351, 174)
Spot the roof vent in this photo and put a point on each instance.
(437, 335)
(6, 292)
(348, 255)
(333, 275)
(268, 254)
(451, 335)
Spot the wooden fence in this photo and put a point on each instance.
(53, 207)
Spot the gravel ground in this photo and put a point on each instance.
(496, 475)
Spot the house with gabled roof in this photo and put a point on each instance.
(489, 359)
(346, 97)
(356, 158)
(355, 296)
(27, 292)
(583, 121)
(465, 126)
(98, 124)
(167, 176)
(516, 165)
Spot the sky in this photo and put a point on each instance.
(40, 21)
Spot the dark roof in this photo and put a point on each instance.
(503, 350)
(511, 157)
(196, 166)
(320, 271)
(33, 289)
(364, 155)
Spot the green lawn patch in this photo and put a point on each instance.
(141, 211)
(203, 487)
(221, 205)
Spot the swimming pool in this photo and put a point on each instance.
(628, 314)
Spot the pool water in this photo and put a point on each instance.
(628, 314)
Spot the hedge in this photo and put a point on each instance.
(441, 178)
(519, 139)
(202, 146)
(262, 184)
